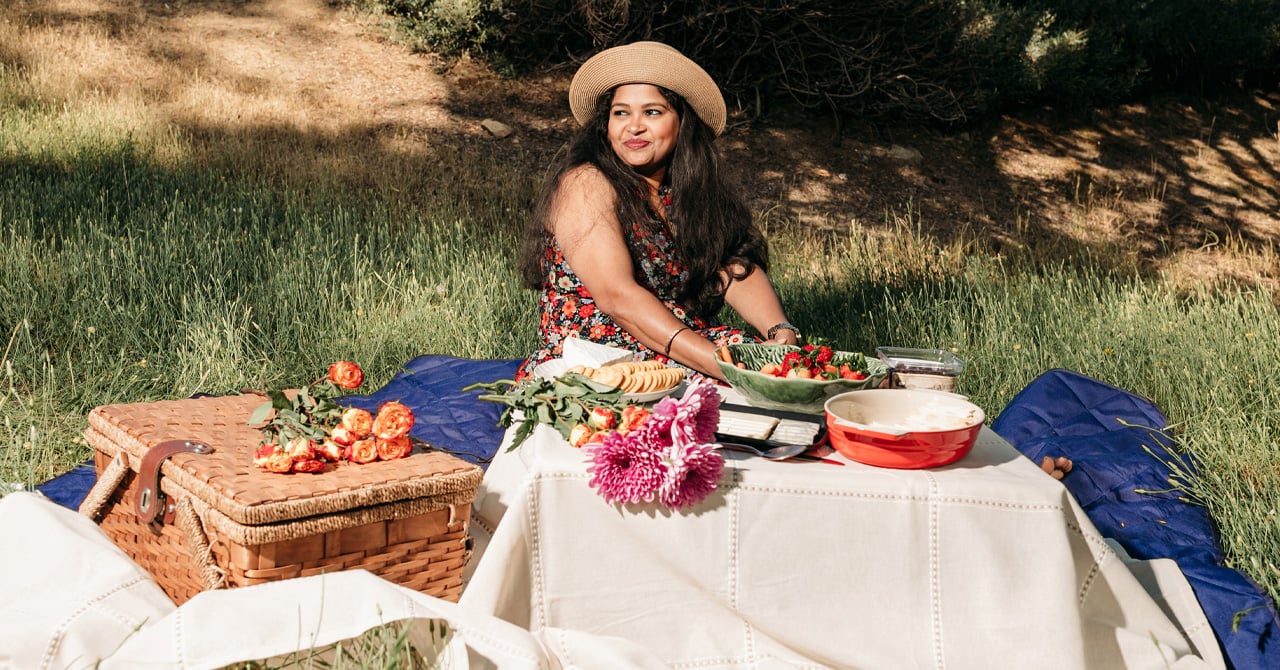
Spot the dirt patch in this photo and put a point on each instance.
(1187, 189)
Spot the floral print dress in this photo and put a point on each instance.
(568, 310)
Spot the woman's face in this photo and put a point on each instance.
(643, 128)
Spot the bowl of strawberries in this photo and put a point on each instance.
(796, 379)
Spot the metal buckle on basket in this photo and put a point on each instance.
(151, 504)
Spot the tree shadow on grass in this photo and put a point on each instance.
(1126, 188)
(288, 93)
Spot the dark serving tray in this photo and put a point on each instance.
(793, 423)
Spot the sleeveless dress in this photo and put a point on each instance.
(568, 310)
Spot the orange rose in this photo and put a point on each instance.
(358, 421)
(393, 420)
(342, 436)
(279, 461)
(580, 434)
(392, 448)
(364, 451)
(346, 374)
(602, 418)
(632, 417)
(263, 453)
(312, 465)
(300, 449)
(331, 450)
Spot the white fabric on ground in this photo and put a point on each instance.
(68, 596)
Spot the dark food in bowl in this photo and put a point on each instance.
(935, 369)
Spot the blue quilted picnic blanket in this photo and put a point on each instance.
(445, 417)
(1122, 463)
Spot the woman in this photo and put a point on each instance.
(637, 241)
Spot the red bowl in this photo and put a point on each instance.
(903, 428)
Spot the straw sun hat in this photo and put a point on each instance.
(646, 63)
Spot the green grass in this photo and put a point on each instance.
(416, 645)
(127, 278)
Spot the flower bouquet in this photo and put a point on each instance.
(307, 430)
(666, 453)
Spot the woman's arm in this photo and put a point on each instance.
(755, 300)
(587, 230)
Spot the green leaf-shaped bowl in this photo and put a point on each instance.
(793, 394)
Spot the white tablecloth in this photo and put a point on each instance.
(987, 563)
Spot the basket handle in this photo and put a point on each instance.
(100, 494)
(192, 527)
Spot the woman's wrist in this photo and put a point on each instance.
(782, 325)
(666, 351)
(694, 352)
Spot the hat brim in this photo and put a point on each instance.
(647, 63)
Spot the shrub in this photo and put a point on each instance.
(450, 27)
(872, 58)
(1203, 45)
(945, 60)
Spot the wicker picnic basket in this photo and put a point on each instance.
(214, 520)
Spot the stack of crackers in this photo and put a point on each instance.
(633, 376)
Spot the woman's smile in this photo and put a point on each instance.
(643, 128)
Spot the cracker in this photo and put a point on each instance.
(609, 377)
(637, 383)
(632, 367)
(648, 380)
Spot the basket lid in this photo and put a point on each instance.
(228, 481)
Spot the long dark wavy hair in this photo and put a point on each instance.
(713, 224)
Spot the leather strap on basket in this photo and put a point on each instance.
(100, 494)
(150, 503)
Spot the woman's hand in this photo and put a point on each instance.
(785, 336)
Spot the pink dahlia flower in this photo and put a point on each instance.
(660, 422)
(669, 456)
(625, 469)
(697, 415)
(692, 474)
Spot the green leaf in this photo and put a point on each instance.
(564, 388)
(522, 434)
(303, 400)
(561, 403)
(260, 414)
(279, 400)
